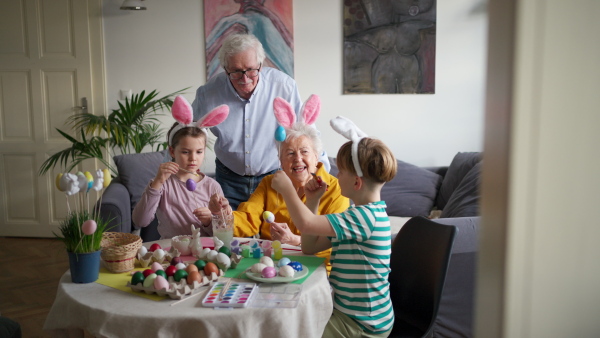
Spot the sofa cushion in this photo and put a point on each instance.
(136, 170)
(460, 166)
(411, 193)
(464, 201)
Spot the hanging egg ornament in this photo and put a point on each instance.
(58, 177)
(280, 134)
(190, 184)
(268, 217)
(89, 227)
(90, 180)
(107, 177)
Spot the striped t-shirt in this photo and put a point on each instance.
(360, 264)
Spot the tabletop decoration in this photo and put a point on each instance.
(82, 230)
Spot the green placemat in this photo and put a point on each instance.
(311, 262)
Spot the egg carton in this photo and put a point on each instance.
(178, 290)
(149, 258)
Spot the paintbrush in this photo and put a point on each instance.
(320, 181)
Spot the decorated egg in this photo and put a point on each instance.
(89, 227)
(137, 278)
(296, 265)
(58, 177)
(190, 184)
(269, 272)
(194, 276)
(159, 254)
(268, 217)
(267, 261)
(191, 268)
(280, 134)
(283, 261)
(149, 281)
(155, 247)
(90, 180)
(179, 275)
(142, 251)
(148, 272)
(156, 266)
(210, 268)
(171, 269)
(176, 260)
(180, 266)
(161, 273)
(286, 271)
(160, 283)
(225, 250)
(107, 177)
(257, 267)
(200, 264)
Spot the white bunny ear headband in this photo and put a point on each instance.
(284, 112)
(350, 131)
(183, 113)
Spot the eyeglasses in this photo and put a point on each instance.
(249, 73)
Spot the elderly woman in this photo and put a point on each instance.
(299, 160)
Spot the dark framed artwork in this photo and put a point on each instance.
(271, 21)
(389, 46)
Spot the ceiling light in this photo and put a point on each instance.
(135, 5)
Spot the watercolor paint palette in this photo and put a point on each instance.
(237, 295)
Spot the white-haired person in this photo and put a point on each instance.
(245, 149)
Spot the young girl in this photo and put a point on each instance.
(359, 237)
(170, 194)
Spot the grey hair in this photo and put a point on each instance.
(238, 43)
(299, 129)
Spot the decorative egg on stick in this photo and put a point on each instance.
(268, 217)
(190, 184)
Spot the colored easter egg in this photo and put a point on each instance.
(200, 264)
(190, 184)
(156, 266)
(161, 273)
(137, 278)
(179, 275)
(268, 217)
(171, 269)
(210, 268)
(58, 177)
(225, 250)
(194, 276)
(280, 134)
(107, 177)
(154, 247)
(149, 281)
(283, 261)
(191, 268)
(296, 265)
(160, 282)
(176, 260)
(269, 272)
(89, 227)
(148, 272)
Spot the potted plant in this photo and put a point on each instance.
(128, 129)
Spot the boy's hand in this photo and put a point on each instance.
(203, 215)
(165, 170)
(281, 182)
(315, 188)
(217, 203)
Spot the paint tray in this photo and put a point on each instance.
(271, 295)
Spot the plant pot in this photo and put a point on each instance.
(84, 267)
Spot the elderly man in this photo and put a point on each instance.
(245, 145)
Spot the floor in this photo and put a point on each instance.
(30, 269)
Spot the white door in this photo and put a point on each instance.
(50, 59)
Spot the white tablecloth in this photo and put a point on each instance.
(107, 312)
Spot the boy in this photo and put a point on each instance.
(360, 238)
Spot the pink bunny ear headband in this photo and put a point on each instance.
(350, 131)
(284, 112)
(183, 113)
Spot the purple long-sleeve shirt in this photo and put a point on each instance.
(174, 205)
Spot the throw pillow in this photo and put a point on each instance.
(460, 166)
(464, 201)
(136, 171)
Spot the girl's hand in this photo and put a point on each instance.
(217, 203)
(204, 216)
(281, 182)
(281, 232)
(165, 170)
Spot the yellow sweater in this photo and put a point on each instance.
(248, 217)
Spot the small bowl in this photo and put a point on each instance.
(182, 243)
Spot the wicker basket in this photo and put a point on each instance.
(119, 250)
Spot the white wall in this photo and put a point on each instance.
(163, 48)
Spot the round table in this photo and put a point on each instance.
(107, 312)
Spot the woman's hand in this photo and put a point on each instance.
(218, 203)
(281, 232)
(204, 216)
(165, 170)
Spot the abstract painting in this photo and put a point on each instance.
(271, 21)
(389, 46)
